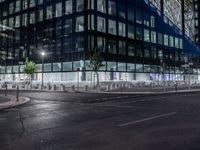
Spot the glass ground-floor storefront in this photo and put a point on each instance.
(111, 71)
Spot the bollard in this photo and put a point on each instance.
(86, 88)
(108, 87)
(53, 87)
(17, 93)
(6, 90)
(62, 87)
(73, 88)
(48, 87)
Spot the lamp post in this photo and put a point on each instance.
(43, 54)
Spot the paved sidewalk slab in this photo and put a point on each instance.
(11, 101)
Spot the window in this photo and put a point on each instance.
(131, 50)
(79, 24)
(17, 7)
(17, 21)
(101, 44)
(152, 21)
(122, 48)
(58, 9)
(176, 43)
(49, 14)
(181, 43)
(131, 14)
(90, 22)
(112, 48)
(166, 40)
(32, 3)
(90, 4)
(121, 66)
(67, 66)
(171, 41)
(112, 27)
(40, 2)
(146, 19)
(79, 5)
(122, 10)
(67, 45)
(40, 15)
(11, 8)
(32, 18)
(24, 20)
(153, 37)
(111, 7)
(139, 17)
(146, 53)
(24, 4)
(146, 35)
(138, 33)
(139, 68)
(122, 29)
(131, 32)
(68, 6)
(101, 6)
(101, 24)
(139, 51)
(68, 27)
(160, 38)
(80, 44)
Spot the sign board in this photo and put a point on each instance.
(77, 69)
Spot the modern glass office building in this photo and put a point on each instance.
(138, 39)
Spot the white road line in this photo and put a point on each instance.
(146, 119)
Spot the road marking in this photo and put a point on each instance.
(146, 119)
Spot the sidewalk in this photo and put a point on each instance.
(148, 90)
(11, 101)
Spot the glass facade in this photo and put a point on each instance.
(131, 36)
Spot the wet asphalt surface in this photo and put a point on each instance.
(80, 121)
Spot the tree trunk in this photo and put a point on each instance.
(30, 79)
(97, 78)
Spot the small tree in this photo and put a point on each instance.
(29, 69)
(96, 62)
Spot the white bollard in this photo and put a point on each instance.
(48, 87)
(108, 87)
(53, 87)
(62, 87)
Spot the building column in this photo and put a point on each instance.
(183, 16)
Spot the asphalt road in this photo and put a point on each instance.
(77, 121)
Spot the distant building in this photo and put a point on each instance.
(138, 39)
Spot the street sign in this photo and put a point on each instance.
(77, 69)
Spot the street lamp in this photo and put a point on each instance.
(43, 54)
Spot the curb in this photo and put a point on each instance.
(150, 93)
(24, 101)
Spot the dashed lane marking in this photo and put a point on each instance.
(146, 119)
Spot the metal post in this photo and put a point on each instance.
(17, 93)
(164, 88)
(42, 73)
(78, 81)
(189, 78)
(6, 90)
